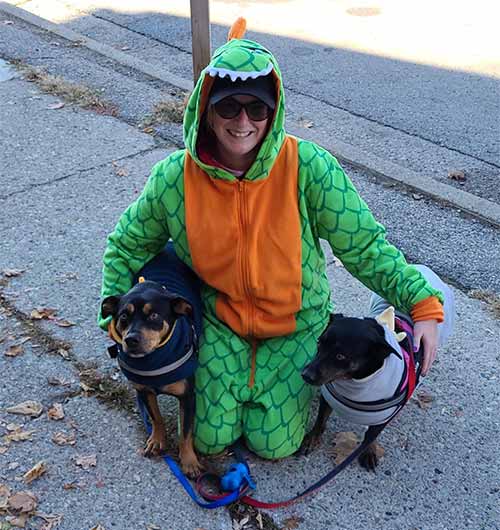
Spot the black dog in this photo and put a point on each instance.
(144, 321)
(350, 352)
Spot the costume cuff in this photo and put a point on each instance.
(428, 309)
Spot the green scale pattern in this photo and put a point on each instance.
(273, 414)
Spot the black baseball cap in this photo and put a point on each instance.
(260, 87)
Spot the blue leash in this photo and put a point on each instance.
(227, 499)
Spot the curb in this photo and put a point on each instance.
(483, 209)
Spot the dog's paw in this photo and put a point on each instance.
(192, 468)
(155, 445)
(310, 442)
(369, 459)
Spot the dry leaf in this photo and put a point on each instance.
(35, 472)
(423, 399)
(125, 48)
(57, 381)
(18, 436)
(23, 502)
(345, 443)
(63, 353)
(86, 462)
(10, 273)
(417, 196)
(59, 438)
(98, 527)
(56, 412)
(14, 351)
(51, 520)
(63, 323)
(120, 171)
(3, 449)
(307, 124)
(19, 521)
(258, 518)
(4, 496)
(457, 175)
(56, 106)
(27, 408)
(291, 523)
(43, 312)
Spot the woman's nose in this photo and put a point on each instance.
(242, 117)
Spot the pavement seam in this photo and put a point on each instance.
(483, 209)
(81, 171)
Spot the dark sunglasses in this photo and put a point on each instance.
(228, 108)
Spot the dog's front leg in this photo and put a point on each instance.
(156, 443)
(368, 458)
(312, 439)
(189, 461)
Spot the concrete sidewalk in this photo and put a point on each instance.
(66, 174)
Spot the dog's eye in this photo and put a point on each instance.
(154, 316)
(340, 357)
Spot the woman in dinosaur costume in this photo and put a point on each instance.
(246, 205)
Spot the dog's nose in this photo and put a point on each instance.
(309, 375)
(132, 341)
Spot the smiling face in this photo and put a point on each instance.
(238, 138)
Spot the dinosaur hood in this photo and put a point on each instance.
(237, 59)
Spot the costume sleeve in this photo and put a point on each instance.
(140, 234)
(340, 216)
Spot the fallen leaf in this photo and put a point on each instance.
(154, 527)
(60, 438)
(57, 381)
(35, 472)
(63, 323)
(70, 485)
(258, 518)
(457, 175)
(98, 527)
(4, 496)
(63, 353)
(10, 273)
(43, 312)
(3, 449)
(56, 106)
(56, 412)
(307, 124)
(23, 502)
(19, 521)
(125, 48)
(27, 408)
(344, 445)
(423, 399)
(120, 171)
(51, 520)
(86, 462)
(18, 436)
(417, 196)
(14, 351)
(291, 523)
(13, 427)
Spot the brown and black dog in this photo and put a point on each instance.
(350, 351)
(143, 322)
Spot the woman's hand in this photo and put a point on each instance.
(426, 331)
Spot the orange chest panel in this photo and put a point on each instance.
(245, 241)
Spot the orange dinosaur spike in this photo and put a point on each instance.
(237, 30)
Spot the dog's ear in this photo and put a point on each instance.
(109, 306)
(181, 306)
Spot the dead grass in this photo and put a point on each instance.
(115, 394)
(490, 298)
(167, 111)
(80, 95)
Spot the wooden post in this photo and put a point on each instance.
(200, 34)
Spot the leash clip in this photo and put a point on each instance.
(237, 476)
